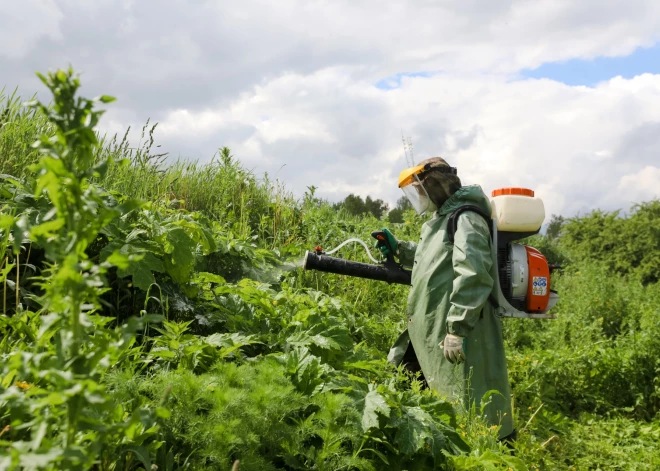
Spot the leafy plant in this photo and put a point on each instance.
(53, 406)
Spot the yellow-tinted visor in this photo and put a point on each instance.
(407, 176)
(414, 190)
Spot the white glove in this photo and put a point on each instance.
(453, 348)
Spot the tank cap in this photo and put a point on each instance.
(513, 191)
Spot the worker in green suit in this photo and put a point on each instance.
(453, 331)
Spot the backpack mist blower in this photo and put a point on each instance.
(522, 288)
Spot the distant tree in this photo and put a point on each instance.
(626, 245)
(375, 207)
(396, 215)
(555, 226)
(356, 206)
(353, 204)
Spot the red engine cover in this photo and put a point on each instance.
(538, 289)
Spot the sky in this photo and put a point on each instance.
(559, 96)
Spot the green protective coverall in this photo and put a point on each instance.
(449, 292)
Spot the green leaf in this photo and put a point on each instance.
(181, 246)
(13, 180)
(9, 379)
(412, 430)
(6, 221)
(163, 353)
(141, 271)
(182, 250)
(485, 399)
(229, 340)
(122, 260)
(336, 338)
(372, 366)
(101, 169)
(47, 229)
(306, 370)
(109, 249)
(382, 457)
(142, 454)
(374, 404)
(5, 271)
(204, 277)
(106, 99)
(136, 263)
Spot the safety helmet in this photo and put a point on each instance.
(411, 182)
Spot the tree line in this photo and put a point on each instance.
(355, 205)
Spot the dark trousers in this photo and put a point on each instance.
(410, 363)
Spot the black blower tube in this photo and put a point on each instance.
(390, 273)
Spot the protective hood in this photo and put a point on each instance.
(430, 184)
(466, 195)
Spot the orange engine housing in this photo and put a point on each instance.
(538, 286)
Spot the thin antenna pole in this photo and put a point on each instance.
(405, 151)
(410, 148)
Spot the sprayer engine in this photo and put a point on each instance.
(524, 280)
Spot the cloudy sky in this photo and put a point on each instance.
(559, 96)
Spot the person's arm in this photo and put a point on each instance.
(406, 253)
(473, 283)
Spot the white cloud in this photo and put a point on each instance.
(291, 82)
(167, 54)
(23, 23)
(570, 144)
(641, 186)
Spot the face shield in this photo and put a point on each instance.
(418, 196)
(410, 182)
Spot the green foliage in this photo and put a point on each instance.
(154, 317)
(64, 419)
(356, 206)
(262, 419)
(628, 246)
(19, 128)
(555, 225)
(608, 333)
(396, 215)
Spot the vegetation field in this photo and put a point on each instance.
(155, 317)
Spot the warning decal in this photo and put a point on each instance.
(539, 286)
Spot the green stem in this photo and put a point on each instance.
(18, 271)
(73, 405)
(4, 292)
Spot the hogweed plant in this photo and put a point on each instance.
(54, 411)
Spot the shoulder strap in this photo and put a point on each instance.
(452, 223)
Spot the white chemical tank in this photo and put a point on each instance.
(517, 210)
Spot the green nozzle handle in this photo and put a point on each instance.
(386, 243)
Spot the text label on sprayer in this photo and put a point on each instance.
(539, 285)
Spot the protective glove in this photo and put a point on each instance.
(454, 348)
(391, 241)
